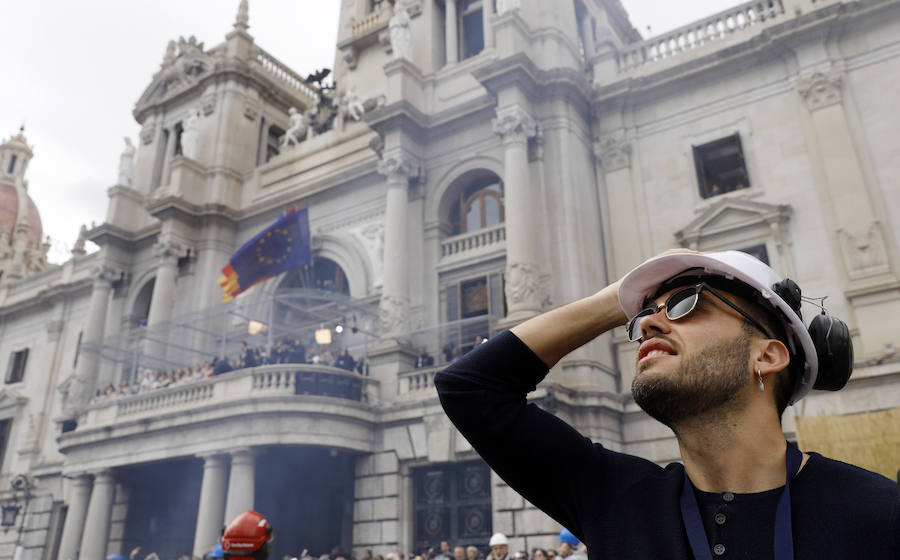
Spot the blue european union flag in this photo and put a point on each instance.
(281, 247)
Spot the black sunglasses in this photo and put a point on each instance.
(680, 304)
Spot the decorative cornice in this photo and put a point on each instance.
(514, 125)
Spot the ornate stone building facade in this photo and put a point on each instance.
(474, 163)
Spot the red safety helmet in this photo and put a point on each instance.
(246, 535)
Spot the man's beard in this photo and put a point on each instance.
(702, 382)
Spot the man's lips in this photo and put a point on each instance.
(654, 348)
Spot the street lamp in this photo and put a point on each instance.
(9, 510)
(9, 513)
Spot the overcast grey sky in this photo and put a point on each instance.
(72, 71)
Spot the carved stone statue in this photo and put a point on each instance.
(191, 134)
(353, 101)
(298, 129)
(126, 164)
(401, 36)
(78, 249)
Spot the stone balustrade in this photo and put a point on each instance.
(373, 21)
(417, 383)
(260, 382)
(739, 23)
(472, 241)
(282, 73)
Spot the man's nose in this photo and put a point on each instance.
(656, 323)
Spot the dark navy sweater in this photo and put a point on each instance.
(622, 506)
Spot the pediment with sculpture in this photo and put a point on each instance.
(184, 64)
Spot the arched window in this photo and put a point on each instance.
(325, 274)
(480, 205)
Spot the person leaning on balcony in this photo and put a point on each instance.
(724, 350)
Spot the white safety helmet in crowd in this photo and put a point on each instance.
(498, 539)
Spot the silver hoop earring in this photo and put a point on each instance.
(762, 388)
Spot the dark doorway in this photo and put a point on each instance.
(162, 507)
(306, 493)
(452, 503)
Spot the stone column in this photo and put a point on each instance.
(614, 166)
(86, 371)
(451, 35)
(399, 169)
(523, 271)
(99, 515)
(211, 511)
(74, 525)
(487, 15)
(241, 483)
(168, 252)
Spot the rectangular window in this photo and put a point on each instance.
(471, 28)
(721, 167)
(4, 438)
(12, 165)
(476, 297)
(16, 370)
(377, 5)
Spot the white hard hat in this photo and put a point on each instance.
(644, 281)
(498, 539)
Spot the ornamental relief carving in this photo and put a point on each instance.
(864, 252)
(170, 250)
(392, 314)
(398, 166)
(514, 125)
(523, 285)
(103, 274)
(821, 89)
(614, 153)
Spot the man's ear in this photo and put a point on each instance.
(773, 356)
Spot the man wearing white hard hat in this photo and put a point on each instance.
(723, 349)
(499, 547)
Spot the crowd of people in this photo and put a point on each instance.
(285, 351)
(498, 549)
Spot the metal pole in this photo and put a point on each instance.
(224, 335)
(270, 330)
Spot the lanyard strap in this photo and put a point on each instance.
(783, 540)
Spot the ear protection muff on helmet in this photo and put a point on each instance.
(831, 339)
